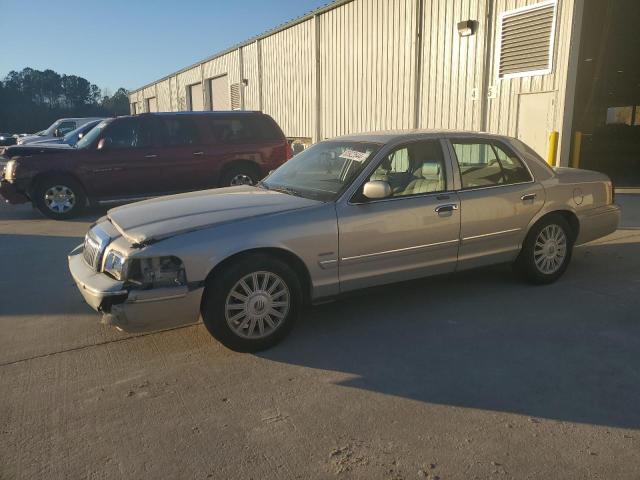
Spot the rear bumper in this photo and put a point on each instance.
(597, 223)
(134, 310)
(11, 194)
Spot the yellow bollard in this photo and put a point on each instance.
(577, 144)
(553, 148)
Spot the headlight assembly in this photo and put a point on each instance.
(158, 272)
(115, 265)
(10, 170)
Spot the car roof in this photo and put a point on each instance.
(216, 112)
(393, 136)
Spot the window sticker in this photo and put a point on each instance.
(354, 155)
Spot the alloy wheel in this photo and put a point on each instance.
(241, 179)
(550, 249)
(59, 199)
(257, 305)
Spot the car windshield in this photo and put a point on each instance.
(93, 134)
(49, 131)
(322, 171)
(70, 137)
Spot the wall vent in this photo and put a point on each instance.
(526, 41)
(236, 103)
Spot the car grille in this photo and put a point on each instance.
(95, 242)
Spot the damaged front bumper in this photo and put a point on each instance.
(130, 309)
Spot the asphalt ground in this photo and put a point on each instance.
(474, 375)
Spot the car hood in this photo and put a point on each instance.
(34, 149)
(153, 220)
(33, 138)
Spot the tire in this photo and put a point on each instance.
(546, 252)
(237, 322)
(64, 187)
(240, 175)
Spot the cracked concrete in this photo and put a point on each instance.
(457, 377)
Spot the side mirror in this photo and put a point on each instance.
(80, 135)
(57, 133)
(377, 189)
(101, 144)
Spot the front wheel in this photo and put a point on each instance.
(239, 175)
(59, 197)
(252, 304)
(546, 251)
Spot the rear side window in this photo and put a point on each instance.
(485, 164)
(179, 131)
(232, 130)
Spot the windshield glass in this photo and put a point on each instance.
(93, 134)
(322, 171)
(50, 130)
(70, 138)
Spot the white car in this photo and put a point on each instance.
(57, 129)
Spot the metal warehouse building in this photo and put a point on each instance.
(515, 67)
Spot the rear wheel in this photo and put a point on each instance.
(59, 197)
(240, 175)
(252, 304)
(546, 252)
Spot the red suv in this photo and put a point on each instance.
(130, 158)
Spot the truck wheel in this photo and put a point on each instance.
(59, 197)
(239, 175)
(253, 304)
(546, 251)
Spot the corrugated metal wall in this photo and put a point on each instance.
(373, 76)
(367, 51)
(288, 78)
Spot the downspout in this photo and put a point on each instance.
(486, 72)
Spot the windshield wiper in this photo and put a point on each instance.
(287, 190)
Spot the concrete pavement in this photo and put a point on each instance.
(472, 375)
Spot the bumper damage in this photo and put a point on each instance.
(134, 310)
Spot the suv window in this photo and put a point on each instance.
(485, 164)
(179, 131)
(242, 130)
(128, 133)
(413, 169)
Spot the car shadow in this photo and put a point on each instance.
(479, 339)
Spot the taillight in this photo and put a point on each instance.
(289, 151)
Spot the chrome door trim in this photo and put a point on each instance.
(484, 235)
(399, 250)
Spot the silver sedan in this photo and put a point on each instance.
(345, 214)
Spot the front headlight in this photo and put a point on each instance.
(115, 264)
(10, 170)
(156, 272)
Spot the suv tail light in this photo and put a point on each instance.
(288, 151)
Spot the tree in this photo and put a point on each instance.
(31, 100)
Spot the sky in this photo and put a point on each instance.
(128, 44)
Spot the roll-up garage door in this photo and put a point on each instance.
(220, 93)
(195, 93)
(152, 104)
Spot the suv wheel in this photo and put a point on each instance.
(239, 175)
(546, 251)
(253, 304)
(59, 197)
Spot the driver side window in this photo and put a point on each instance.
(415, 169)
(129, 133)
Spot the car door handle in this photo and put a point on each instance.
(198, 153)
(151, 155)
(528, 196)
(450, 207)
